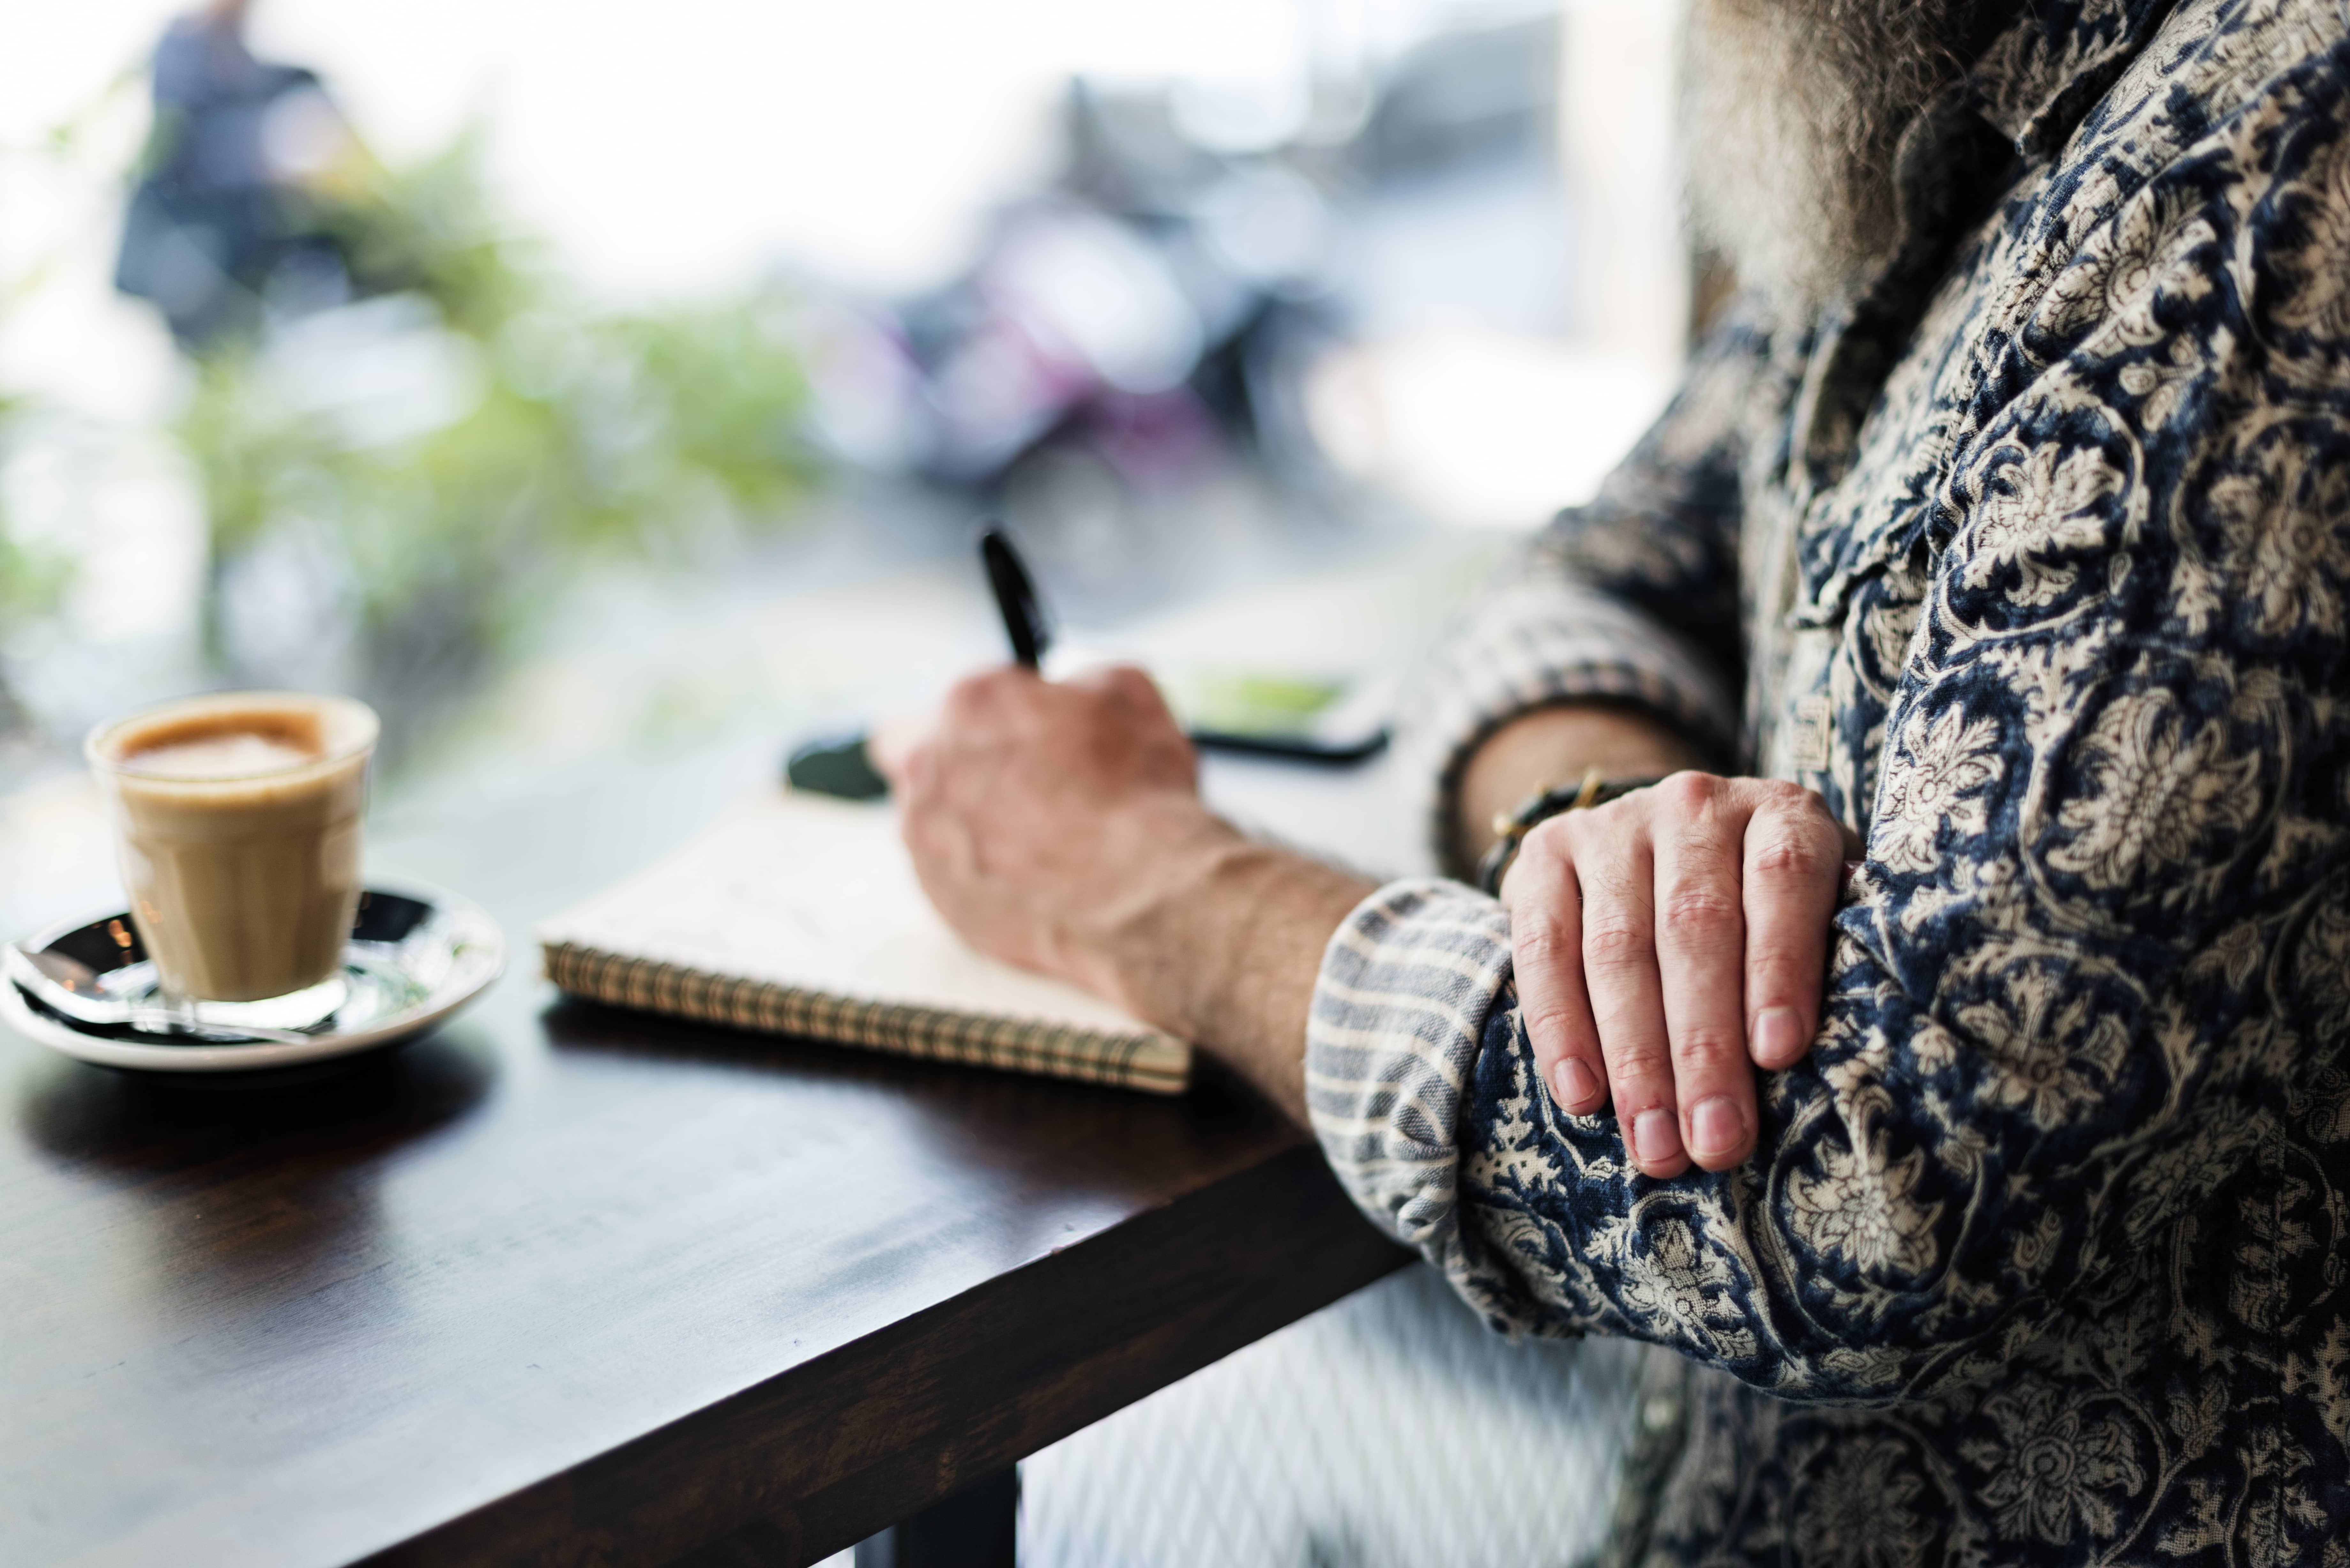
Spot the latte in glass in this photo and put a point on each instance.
(237, 823)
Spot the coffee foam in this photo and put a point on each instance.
(234, 735)
(228, 754)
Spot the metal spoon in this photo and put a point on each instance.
(67, 985)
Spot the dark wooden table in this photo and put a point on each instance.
(566, 1284)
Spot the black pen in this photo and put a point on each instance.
(1015, 598)
(840, 766)
(1024, 625)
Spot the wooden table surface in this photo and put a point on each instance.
(566, 1284)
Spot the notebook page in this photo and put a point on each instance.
(816, 894)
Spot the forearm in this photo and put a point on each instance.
(1227, 955)
(1554, 745)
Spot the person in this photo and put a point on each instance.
(1992, 1196)
(231, 209)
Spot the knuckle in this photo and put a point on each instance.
(1615, 944)
(1790, 808)
(1642, 1075)
(1542, 947)
(1552, 838)
(1557, 1021)
(1689, 792)
(1601, 819)
(1703, 1048)
(1801, 855)
(1795, 804)
(1698, 910)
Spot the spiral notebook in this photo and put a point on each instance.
(799, 914)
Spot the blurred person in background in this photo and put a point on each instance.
(230, 212)
(1986, 1199)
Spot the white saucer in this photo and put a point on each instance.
(416, 956)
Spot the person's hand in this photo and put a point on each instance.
(1048, 820)
(1059, 827)
(1669, 943)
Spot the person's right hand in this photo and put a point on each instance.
(1045, 820)
(1668, 944)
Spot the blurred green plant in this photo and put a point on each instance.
(28, 585)
(32, 580)
(451, 447)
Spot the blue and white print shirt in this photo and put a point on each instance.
(2035, 561)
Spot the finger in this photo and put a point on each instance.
(1546, 954)
(1700, 963)
(934, 833)
(1614, 864)
(891, 744)
(1130, 690)
(1794, 873)
(1145, 722)
(1009, 691)
(1126, 682)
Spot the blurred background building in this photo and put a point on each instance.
(586, 383)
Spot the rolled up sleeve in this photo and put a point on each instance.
(1407, 983)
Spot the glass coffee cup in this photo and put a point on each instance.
(237, 825)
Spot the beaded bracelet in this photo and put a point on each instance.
(1511, 828)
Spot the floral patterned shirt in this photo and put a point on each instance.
(2035, 562)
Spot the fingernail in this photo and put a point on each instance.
(1655, 1138)
(1715, 1128)
(1778, 1036)
(1575, 1085)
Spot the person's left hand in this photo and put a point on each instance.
(1668, 944)
(1049, 820)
